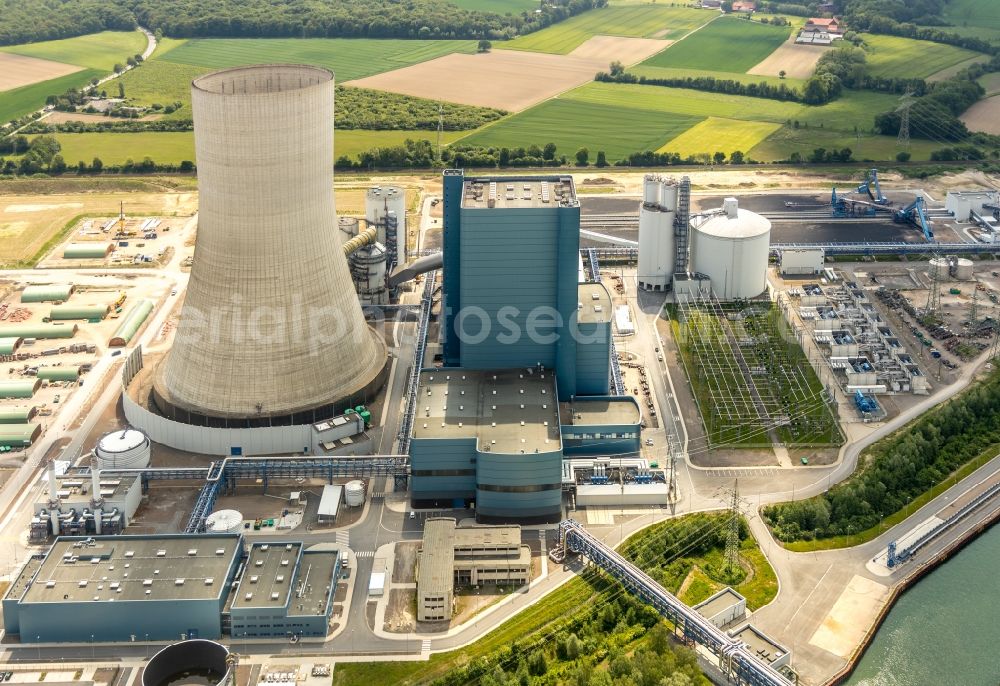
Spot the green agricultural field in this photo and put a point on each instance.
(991, 82)
(720, 135)
(852, 109)
(732, 45)
(348, 58)
(676, 73)
(978, 18)
(159, 81)
(96, 51)
(637, 21)
(498, 6)
(895, 57)
(783, 142)
(617, 130)
(18, 102)
(175, 147)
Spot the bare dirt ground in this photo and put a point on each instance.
(19, 70)
(404, 567)
(798, 61)
(984, 116)
(511, 80)
(63, 117)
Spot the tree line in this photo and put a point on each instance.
(710, 84)
(24, 21)
(899, 468)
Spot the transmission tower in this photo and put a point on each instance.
(905, 105)
(973, 312)
(934, 294)
(733, 531)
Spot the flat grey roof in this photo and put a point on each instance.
(718, 603)
(488, 192)
(268, 575)
(20, 584)
(759, 644)
(313, 580)
(329, 502)
(135, 568)
(74, 487)
(596, 411)
(507, 411)
(594, 304)
(435, 574)
(487, 536)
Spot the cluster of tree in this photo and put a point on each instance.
(898, 468)
(935, 115)
(617, 74)
(38, 155)
(361, 108)
(794, 9)
(822, 156)
(958, 152)
(27, 166)
(109, 126)
(38, 20)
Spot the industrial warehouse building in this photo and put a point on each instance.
(161, 588)
(527, 352)
(452, 556)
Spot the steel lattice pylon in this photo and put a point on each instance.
(733, 531)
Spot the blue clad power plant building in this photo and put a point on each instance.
(526, 351)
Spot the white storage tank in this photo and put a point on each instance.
(965, 269)
(224, 522)
(381, 203)
(939, 267)
(354, 493)
(657, 251)
(732, 249)
(348, 228)
(128, 449)
(368, 272)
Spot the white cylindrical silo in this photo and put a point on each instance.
(939, 267)
(348, 228)
(732, 249)
(383, 205)
(656, 233)
(354, 493)
(368, 271)
(269, 270)
(128, 449)
(224, 522)
(965, 269)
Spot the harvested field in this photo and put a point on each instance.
(508, 79)
(954, 69)
(984, 116)
(64, 117)
(722, 135)
(798, 61)
(20, 70)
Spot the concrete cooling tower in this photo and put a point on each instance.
(271, 331)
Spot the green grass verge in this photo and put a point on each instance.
(636, 21)
(720, 135)
(348, 58)
(18, 102)
(95, 51)
(497, 6)
(786, 140)
(730, 45)
(906, 58)
(174, 147)
(897, 517)
(617, 130)
(680, 73)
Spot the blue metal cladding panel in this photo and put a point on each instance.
(508, 281)
(512, 473)
(160, 620)
(593, 358)
(454, 458)
(567, 291)
(451, 287)
(10, 617)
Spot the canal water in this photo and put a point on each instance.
(945, 631)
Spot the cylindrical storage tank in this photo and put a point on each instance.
(354, 493)
(965, 269)
(128, 449)
(270, 269)
(368, 271)
(224, 522)
(205, 662)
(382, 202)
(939, 268)
(656, 233)
(732, 249)
(348, 227)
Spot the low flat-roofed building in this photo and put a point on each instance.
(124, 588)
(723, 608)
(763, 647)
(329, 503)
(452, 556)
(596, 425)
(120, 494)
(285, 591)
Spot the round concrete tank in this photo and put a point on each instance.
(196, 661)
(128, 449)
(965, 269)
(939, 267)
(287, 341)
(656, 233)
(732, 249)
(354, 493)
(224, 522)
(381, 203)
(368, 272)
(348, 227)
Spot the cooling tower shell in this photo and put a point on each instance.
(732, 249)
(271, 331)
